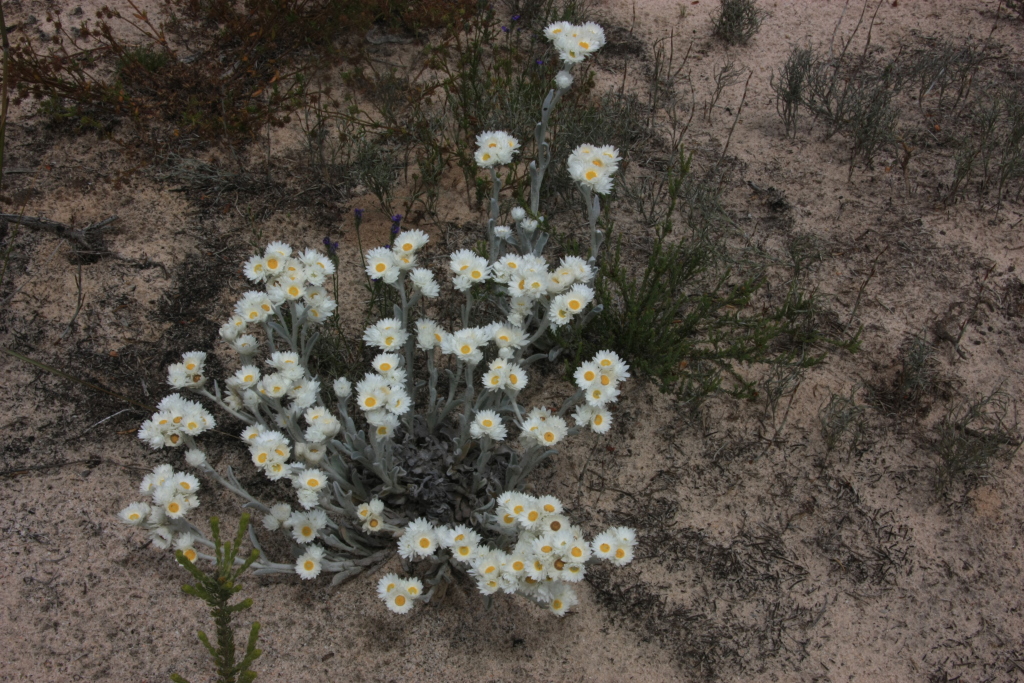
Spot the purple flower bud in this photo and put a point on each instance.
(332, 247)
(359, 214)
(505, 29)
(515, 18)
(540, 62)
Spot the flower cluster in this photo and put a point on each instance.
(172, 495)
(547, 553)
(476, 446)
(593, 167)
(528, 279)
(399, 594)
(495, 148)
(575, 43)
(382, 395)
(599, 380)
(175, 419)
(387, 263)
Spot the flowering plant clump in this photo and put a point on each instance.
(433, 446)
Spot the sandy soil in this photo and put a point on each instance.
(763, 557)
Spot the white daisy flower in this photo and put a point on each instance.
(342, 388)
(494, 148)
(309, 564)
(381, 265)
(563, 79)
(487, 423)
(428, 335)
(410, 241)
(135, 514)
(386, 334)
(195, 457)
(419, 540)
(372, 392)
(388, 584)
(398, 602)
(562, 600)
(245, 344)
(423, 280)
(312, 480)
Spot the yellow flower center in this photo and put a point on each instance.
(576, 552)
(464, 550)
(546, 549)
(307, 531)
(262, 458)
(308, 565)
(488, 423)
(406, 247)
(190, 554)
(559, 565)
(476, 275)
(267, 307)
(382, 430)
(597, 162)
(388, 341)
(604, 547)
(190, 366)
(370, 401)
(585, 45)
(385, 367)
(173, 508)
(533, 515)
(590, 175)
(272, 263)
(549, 436)
(185, 485)
(134, 516)
(555, 525)
(620, 553)
(424, 542)
(312, 482)
(373, 525)
(589, 375)
(486, 156)
(548, 507)
(556, 604)
(247, 378)
(574, 304)
(466, 349)
(380, 267)
(605, 380)
(413, 590)
(513, 379)
(518, 509)
(598, 420)
(605, 362)
(400, 600)
(495, 380)
(175, 438)
(293, 291)
(508, 519)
